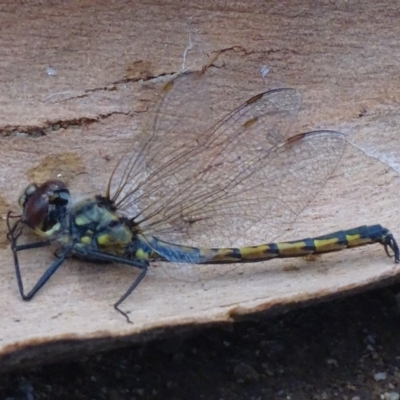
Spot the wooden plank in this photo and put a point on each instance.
(72, 98)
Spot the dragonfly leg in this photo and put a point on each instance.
(142, 265)
(47, 274)
(13, 234)
(129, 291)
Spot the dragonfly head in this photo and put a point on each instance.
(44, 206)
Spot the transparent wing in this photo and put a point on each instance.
(222, 185)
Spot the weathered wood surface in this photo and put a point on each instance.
(72, 97)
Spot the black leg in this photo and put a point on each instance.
(14, 232)
(142, 265)
(43, 279)
(129, 291)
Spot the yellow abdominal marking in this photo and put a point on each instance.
(356, 240)
(256, 252)
(293, 249)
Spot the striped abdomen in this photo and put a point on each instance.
(336, 241)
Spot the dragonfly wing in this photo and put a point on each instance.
(185, 182)
(261, 193)
(175, 118)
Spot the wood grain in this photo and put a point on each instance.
(77, 80)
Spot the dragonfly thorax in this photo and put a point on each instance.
(44, 206)
(93, 223)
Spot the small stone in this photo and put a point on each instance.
(332, 361)
(391, 396)
(380, 376)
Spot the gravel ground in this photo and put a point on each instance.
(347, 349)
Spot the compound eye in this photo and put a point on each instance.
(39, 203)
(28, 192)
(36, 209)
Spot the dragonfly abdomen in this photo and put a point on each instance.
(335, 241)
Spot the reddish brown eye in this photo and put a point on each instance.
(53, 188)
(38, 202)
(36, 209)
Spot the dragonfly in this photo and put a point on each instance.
(181, 182)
